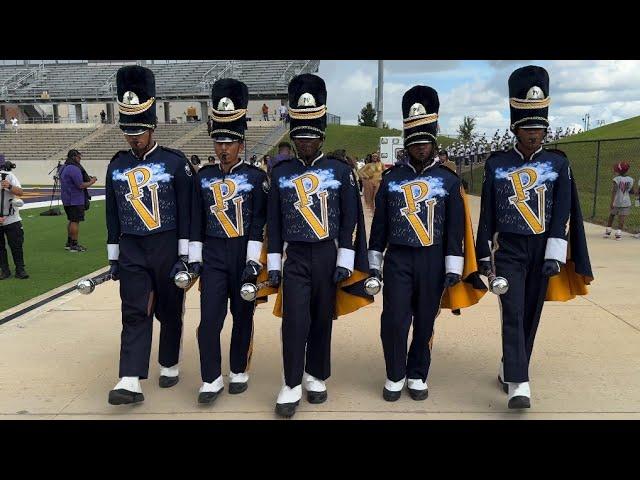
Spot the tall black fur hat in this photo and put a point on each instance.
(230, 98)
(420, 106)
(136, 87)
(529, 98)
(307, 106)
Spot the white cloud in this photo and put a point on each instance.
(608, 90)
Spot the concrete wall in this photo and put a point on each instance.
(31, 172)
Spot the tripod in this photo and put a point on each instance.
(56, 188)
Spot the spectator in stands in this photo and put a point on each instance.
(103, 116)
(3, 124)
(209, 125)
(11, 223)
(211, 159)
(284, 153)
(15, 124)
(74, 183)
(265, 112)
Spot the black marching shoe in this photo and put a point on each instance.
(287, 410)
(390, 396)
(124, 397)
(168, 382)
(209, 397)
(519, 402)
(317, 397)
(238, 387)
(418, 394)
(519, 395)
(5, 274)
(288, 400)
(316, 389)
(21, 273)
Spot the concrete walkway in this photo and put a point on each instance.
(60, 361)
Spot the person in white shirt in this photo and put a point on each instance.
(283, 112)
(10, 222)
(14, 124)
(620, 199)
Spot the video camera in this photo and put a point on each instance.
(6, 165)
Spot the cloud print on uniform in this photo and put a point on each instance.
(436, 187)
(241, 181)
(544, 169)
(327, 180)
(158, 174)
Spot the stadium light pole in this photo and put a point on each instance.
(380, 84)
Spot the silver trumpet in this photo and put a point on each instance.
(372, 286)
(184, 279)
(497, 285)
(249, 291)
(88, 285)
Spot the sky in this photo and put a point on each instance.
(608, 90)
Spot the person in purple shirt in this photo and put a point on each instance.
(284, 153)
(74, 182)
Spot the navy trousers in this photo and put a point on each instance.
(413, 288)
(309, 301)
(146, 290)
(224, 259)
(519, 259)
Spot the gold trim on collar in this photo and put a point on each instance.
(524, 104)
(127, 109)
(307, 113)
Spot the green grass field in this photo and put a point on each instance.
(48, 264)
(622, 129)
(592, 155)
(356, 140)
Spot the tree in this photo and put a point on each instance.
(367, 117)
(465, 130)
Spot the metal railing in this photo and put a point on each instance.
(592, 164)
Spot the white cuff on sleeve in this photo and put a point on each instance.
(375, 259)
(274, 261)
(556, 250)
(183, 246)
(454, 264)
(485, 259)
(113, 251)
(254, 248)
(346, 258)
(195, 252)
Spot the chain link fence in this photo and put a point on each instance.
(592, 166)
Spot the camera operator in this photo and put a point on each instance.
(74, 182)
(10, 221)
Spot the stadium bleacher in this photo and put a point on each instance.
(81, 82)
(39, 144)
